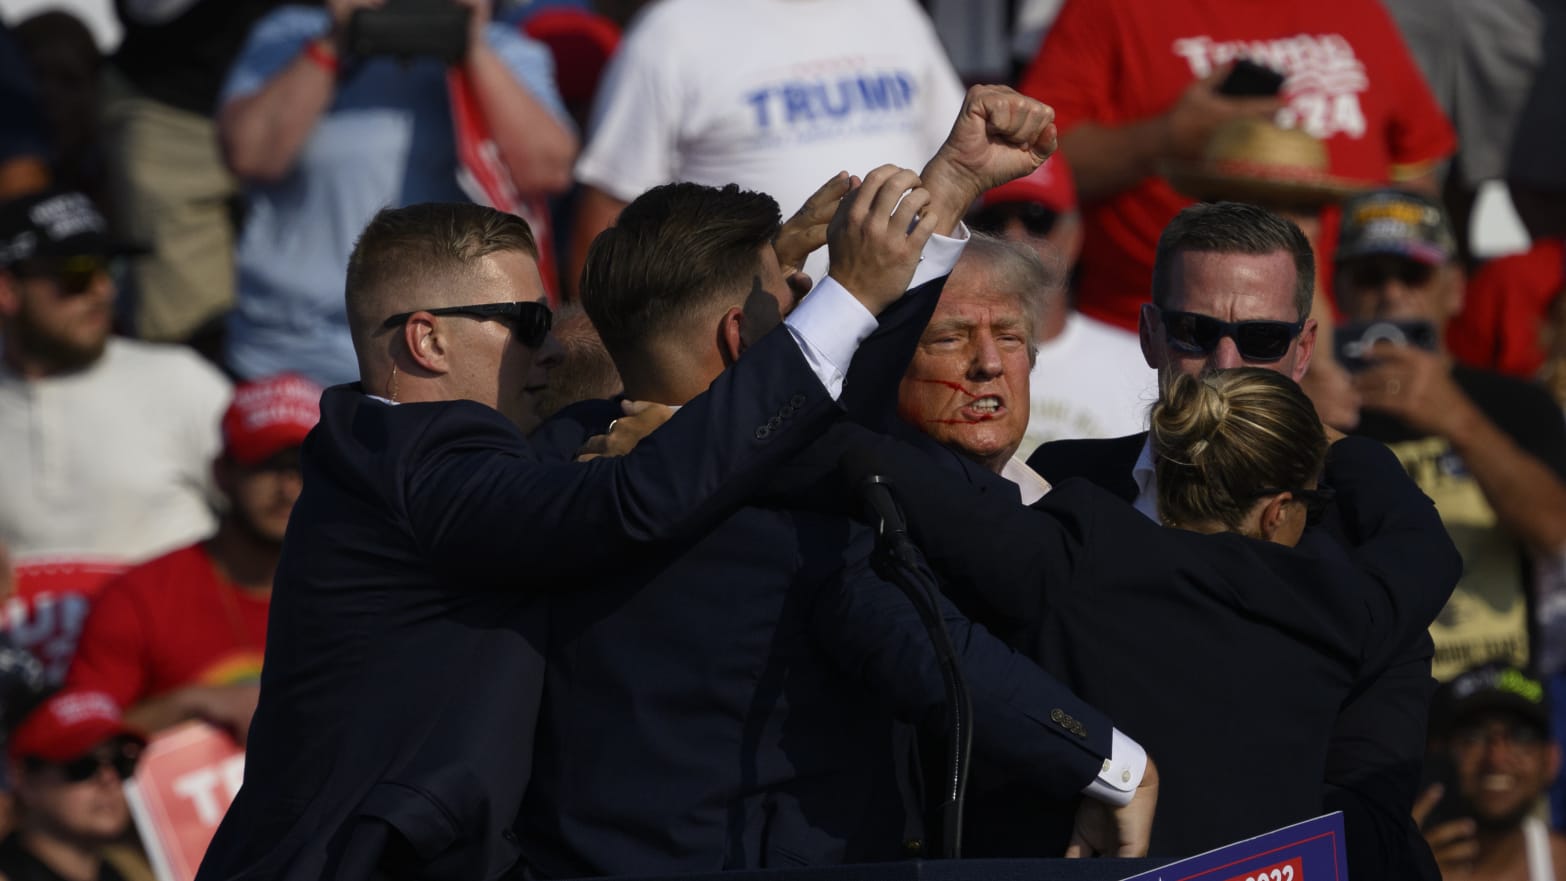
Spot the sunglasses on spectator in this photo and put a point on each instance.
(530, 321)
(121, 760)
(1377, 270)
(1036, 219)
(1315, 500)
(74, 275)
(1259, 341)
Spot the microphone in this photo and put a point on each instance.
(898, 560)
(877, 494)
(875, 491)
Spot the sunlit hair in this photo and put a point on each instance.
(1233, 228)
(416, 258)
(673, 251)
(1220, 440)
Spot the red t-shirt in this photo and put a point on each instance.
(1351, 82)
(52, 597)
(169, 623)
(1507, 301)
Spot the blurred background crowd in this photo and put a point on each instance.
(181, 182)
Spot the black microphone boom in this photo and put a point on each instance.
(898, 560)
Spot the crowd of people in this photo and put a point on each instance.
(464, 407)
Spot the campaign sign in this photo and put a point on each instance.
(185, 781)
(1308, 851)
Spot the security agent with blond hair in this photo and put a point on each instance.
(393, 735)
(1165, 627)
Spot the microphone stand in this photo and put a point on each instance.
(899, 560)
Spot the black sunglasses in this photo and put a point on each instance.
(530, 321)
(122, 760)
(1036, 219)
(74, 275)
(1376, 270)
(1260, 341)
(1315, 500)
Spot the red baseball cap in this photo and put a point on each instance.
(1049, 185)
(68, 726)
(269, 416)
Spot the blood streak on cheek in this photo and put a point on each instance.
(954, 386)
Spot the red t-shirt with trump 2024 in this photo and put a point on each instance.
(1351, 82)
(169, 623)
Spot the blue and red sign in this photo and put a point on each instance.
(1308, 851)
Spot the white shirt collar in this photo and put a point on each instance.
(1146, 477)
(1031, 485)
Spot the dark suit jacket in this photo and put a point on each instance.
(730, 704)
(760, 669)
(1226, 657)
(1172, 628)
(404, 656)
(1378, 744)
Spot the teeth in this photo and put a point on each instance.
(1497, 782)
(987, 404)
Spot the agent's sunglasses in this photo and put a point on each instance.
(74, 275)
(529, 321)
(121, 759)
(1259, 341)
(1315, 500)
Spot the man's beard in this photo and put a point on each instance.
(57, 354)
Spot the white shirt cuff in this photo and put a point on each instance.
(830, 323)
(828, 326)
(940, 255)
(1121, 774)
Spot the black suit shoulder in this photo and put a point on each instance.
(1105, 461)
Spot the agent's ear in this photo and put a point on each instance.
(427, 343)
(731, 335)
(1150, 331)
(1274, 516)
(1306, 346)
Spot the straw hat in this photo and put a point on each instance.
(1254, 160)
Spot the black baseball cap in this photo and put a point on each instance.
(56, 223)
(1489, 687)
(1395, 222)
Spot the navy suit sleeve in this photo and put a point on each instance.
(564, 433)
(994, 554)
(1373, 770)
(870, 387)
(873, 632)
(477, 499)
(1379, 740)
(1395, 532)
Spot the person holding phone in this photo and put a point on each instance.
(1135, 84)
(1489, 449)
(1490, 728)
